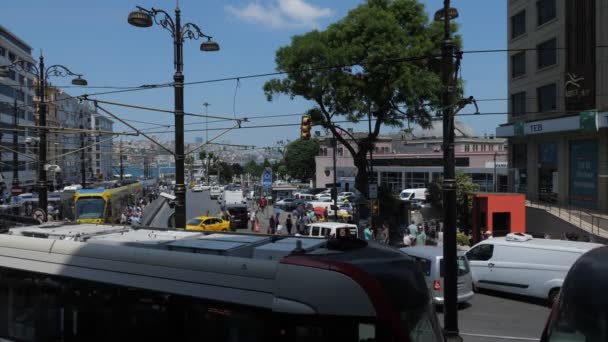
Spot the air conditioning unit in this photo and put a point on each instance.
(520, 237)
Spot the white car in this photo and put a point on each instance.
(197, 188)
(205, 187)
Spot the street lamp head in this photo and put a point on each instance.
(79, 81)
(452, 14)
(210, 45)
(140, 19)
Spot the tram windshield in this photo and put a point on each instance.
(90, 208)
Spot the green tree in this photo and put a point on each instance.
(282, 171)
(202, 155)
(266, 163)
(389, 48)
(300, 158)
(252, 168)
(237, 169)
(225, 172)
(464, 186)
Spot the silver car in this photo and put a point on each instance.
(430, 259)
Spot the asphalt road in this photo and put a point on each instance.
(197, 203)
(492, 316)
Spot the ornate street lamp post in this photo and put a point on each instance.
(145, 18)
(42, 74)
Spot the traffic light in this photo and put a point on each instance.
(375, 208)
(305, 127)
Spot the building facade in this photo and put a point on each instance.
(16, 91)
(414, 162)
(101, 147)
(557, 125)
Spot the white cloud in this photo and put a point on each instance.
(281, 13)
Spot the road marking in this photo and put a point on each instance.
(502, 337)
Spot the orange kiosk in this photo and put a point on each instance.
(498, 214)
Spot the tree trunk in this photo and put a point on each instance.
(362, 177)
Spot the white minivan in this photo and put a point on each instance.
(523, 265)
(419, 194)
(328, 229)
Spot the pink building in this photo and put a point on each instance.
(403, 161)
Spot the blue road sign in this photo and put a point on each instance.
(267, 179)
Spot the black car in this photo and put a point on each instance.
(239, 216)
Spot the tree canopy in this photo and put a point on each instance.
(300, 158)
(379, 60)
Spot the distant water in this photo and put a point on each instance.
(138, 171)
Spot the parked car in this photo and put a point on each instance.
(205, 187)
(289, 206)
(284, 202)
(197, 188)
(430, 259)
(207, 223)
(523, 265)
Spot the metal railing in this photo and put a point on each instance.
(591, 221)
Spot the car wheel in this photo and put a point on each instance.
(224, 230)
(553, 294)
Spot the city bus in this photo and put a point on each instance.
(79, 283)
(106, 201)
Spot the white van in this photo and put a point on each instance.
(328, 229)
(419, 194)
(304, 197)
(522, 265)
(215, 192)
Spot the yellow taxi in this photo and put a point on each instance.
(206, 223)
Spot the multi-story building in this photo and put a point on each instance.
(101, 151)
(558, 81)
(404, 161)
(16, 91)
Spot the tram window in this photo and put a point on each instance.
(315, 230)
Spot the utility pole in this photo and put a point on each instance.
(334, 194)
(207, 139)
(121, 166)
(449, 177)
(15, 188)
(83, 173)
(370, 178)
(494, 180)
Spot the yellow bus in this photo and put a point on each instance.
(105, 203)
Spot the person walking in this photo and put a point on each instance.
(252, 217)
(272, 225)
(421, 238)
(385, 234)
(288, 224)
(367, 234)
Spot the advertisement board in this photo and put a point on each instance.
(583, 173)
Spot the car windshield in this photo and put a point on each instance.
(90, 208)
(406, 194)
(194, 222)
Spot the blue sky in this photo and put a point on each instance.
(94, 38)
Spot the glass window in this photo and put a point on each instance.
(315, 230)
(481, 253)
(518, 24)
(467, 148)
(546, 97)
(518, 104)
(90, 208)
(425, 265)
(546, 53)
(518, 64)
(2, 51)
(463, 267)
(545, 11)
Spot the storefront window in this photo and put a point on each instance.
(519, 162)
(392, 181)
(547, 172)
